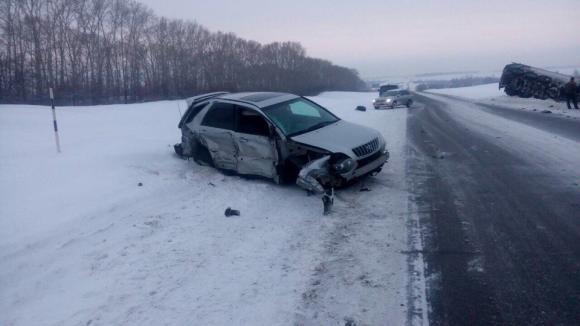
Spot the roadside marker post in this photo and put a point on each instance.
(54, 121)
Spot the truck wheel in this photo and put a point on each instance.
(178, 149)
(510, 91)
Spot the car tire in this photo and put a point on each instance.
(394, 105)
(202, 156)
(409, 103)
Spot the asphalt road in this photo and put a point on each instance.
(501, 230)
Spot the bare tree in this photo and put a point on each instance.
(108, 51)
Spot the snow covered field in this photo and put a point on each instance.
(472, 92)
(82, 244)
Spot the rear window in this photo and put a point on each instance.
(220, 115)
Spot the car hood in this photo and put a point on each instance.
(339, 137)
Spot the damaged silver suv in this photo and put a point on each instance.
(280, 136)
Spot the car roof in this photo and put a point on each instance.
(259, 99)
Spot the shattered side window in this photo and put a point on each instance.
(220, 115)
(252, 123)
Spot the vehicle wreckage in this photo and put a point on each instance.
(525, 81)
(280, 136)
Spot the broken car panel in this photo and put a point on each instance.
(280, 136)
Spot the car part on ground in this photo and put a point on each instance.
(231, 212)
(526, 81)
(279, 136)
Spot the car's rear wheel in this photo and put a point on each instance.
(202, 155)
(409, 103)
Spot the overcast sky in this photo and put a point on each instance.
(384, 38)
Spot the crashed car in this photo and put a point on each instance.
(393, 98)
(284, 137)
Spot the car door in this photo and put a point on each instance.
(217, 134)
(257, 154)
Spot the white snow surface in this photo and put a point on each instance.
(471, 92)
(491, 94)
(82, 244)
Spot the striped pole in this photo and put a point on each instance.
(54, 121)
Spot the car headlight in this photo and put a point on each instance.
(374, 101)
(389, 100)
(344, 165)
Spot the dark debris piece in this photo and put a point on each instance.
(140, 184)
(348, 321)
(231, 212)
(361, 108)
(546, 111)
(365, 189)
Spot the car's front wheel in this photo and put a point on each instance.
(409, 103)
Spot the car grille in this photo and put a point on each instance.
(367, 148)
(367, 160)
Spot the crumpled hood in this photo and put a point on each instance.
(339, 137)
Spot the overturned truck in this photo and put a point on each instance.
(279, 136)
(526, 81)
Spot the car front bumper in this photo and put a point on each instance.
(384, 105)
(368, 167)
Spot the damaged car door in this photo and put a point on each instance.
(216, 133)
(257, 153)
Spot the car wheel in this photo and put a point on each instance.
(394, 105)
(409, 103)
(202, 156)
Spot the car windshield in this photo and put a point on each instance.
(299, 116)
(391, 93)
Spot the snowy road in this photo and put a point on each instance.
(499, 196)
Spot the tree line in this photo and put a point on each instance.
(115, 51)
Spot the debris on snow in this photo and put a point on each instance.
(231, 212)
